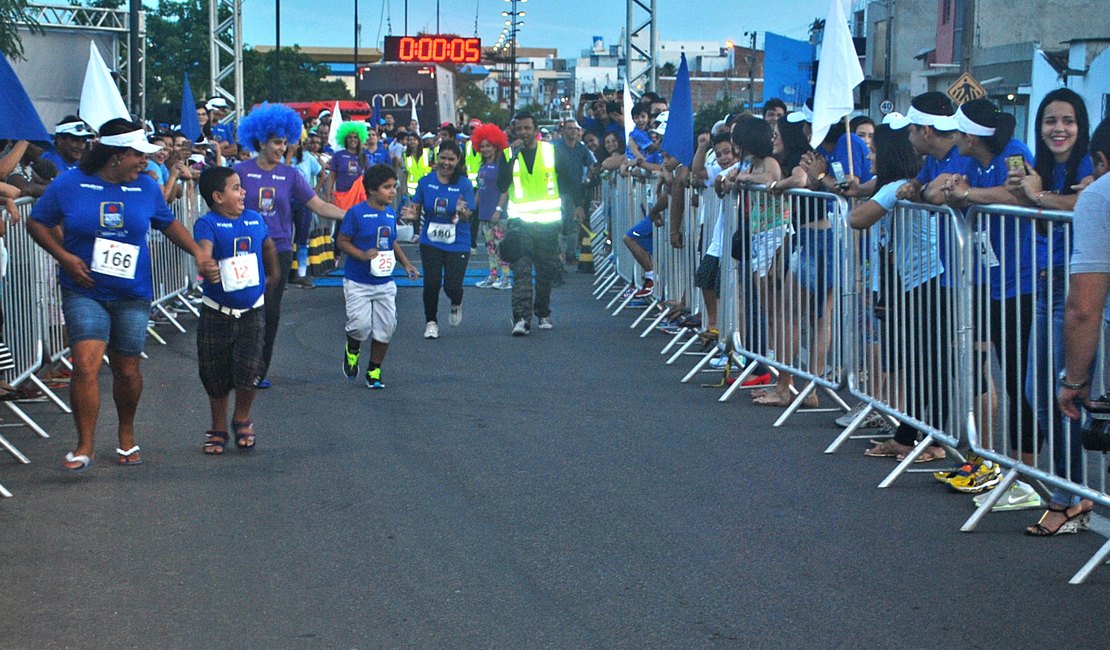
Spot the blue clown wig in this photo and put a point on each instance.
(269, 121)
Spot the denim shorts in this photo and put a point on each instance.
(120, 323)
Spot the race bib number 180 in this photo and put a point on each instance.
(115, 258)
(441, 233)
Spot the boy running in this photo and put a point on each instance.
(368, 235)
(232, 319)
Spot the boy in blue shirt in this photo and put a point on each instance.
(232, 318)
(368, 236)
(639, 140)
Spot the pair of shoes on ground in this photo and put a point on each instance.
(523, 327)
(1071, 523)
(80, 462)
(302, 282)
(1020, 496)
(350, 370)
(891, 448)
(646, 290)
(490, 282)
(216, 441)
(973, 477)
(874, 419)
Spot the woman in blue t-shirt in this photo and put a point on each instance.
(106, 208)
(445, 195)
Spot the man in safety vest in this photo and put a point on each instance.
(535, 213)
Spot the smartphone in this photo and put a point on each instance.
(838, 172)
(1015, 163)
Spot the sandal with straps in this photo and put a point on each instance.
(129, 456)
(244, 435)
(1072, 524)
(214, 442)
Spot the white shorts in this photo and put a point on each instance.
(371, 310)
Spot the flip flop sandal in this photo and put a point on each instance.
(244, 435)
(924, 457)
(85, 462)
(125, 457)
(214, 442)
(885, 449)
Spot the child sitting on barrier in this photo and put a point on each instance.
(368, 235)
(232, 319)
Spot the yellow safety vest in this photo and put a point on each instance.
(415, 169)
(473, 163)
(534, 197)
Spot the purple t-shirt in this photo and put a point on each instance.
(270, 193)
(347, 167)
(488, 194)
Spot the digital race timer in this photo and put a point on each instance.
(432, 49)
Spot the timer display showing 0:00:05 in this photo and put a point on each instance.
(439, 48)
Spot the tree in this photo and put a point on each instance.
(176, 45)
(13, 15)
(301, 78)
(473, 102)
(709, 114)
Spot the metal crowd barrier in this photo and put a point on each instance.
(683, 263)
(172, 270)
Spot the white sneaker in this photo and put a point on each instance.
(489, 283)
(719, 364)
(503, 283)
(1020, 496)
(874, 419)
(521, 328)
(431, 330)
(456, 316)
(545, 323)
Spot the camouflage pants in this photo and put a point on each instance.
(544, 257)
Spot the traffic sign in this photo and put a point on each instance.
(965, 89)
(886, 106)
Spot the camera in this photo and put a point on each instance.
(1096, 426)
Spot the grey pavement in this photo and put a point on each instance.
(562, 490)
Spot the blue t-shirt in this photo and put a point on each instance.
(88, 207)
(1012, 240)
(861, 164)
(379, 156)
(223, 132)
(62, 165)
(368, 227)
(159, 170)
(438, 201)
(642, 140)
(952, 162)
(233, 238)
(1059, 241)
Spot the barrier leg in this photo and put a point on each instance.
(51, 394)
(705, 359)
(31, 424)
(624, 303)
(170, 317)
(850, 429)
(154, 335)
(606, 286)
(654, 323)
(636, 323)
(4, 493)
(679, 335)
(620, 293)
(181, 298)
(992, 498)
(739, 383)
(13, 451)
(1097, 559)
(906, 462)
(682, 350)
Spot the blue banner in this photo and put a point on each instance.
(18, 118)
(787, 69)
(190, 125)
(679, 138)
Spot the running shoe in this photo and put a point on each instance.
(489, 283)
(374, 379)
(874, 419)
(1020, 496)
(967, 467)
(431, 330)
(978, 480)
(350, 363)
(303, 281)
(546, 323)
(503, 283)
(456, 316)
(645, 290)
(721, 362)
(521, 327)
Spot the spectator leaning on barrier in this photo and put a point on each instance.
(1083, 321)
(106, 207)
(535, 213)
(271, 187)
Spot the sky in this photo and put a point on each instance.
(547, 23)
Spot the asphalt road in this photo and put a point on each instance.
(562, 490)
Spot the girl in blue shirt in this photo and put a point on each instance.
(445, 195)
(106, 208)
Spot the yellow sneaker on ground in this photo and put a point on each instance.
(968, 466)
(980, 478)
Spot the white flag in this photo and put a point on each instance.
(336, 122)
(100, 98)
(837, 75)
(413, 117)
(628, 123)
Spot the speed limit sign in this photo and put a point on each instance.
(886, 106)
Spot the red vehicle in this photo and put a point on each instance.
(352, 110)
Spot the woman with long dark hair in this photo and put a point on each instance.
(105, 208)
(445, 196)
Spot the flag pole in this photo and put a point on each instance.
(848, 141)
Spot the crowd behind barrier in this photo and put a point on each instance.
(926, 318)
(34, 328)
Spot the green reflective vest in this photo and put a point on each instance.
(473, 162)
(534, 197)
(416, 168)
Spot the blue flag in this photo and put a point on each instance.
(190, 125)
(18, 118)
(376, 115)
(679, 138)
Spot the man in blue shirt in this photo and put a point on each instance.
(71, 136)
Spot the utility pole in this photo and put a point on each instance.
(356, 49)
(751, 71)
(277, 51)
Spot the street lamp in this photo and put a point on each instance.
(513, 24)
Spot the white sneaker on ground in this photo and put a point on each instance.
(503, 283)
(719, 364)
(488, 283)
(456, 316)
(431, 330)
(546, 323)
(1020, 496)
(874, 419)
(521, 328)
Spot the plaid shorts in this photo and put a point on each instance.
(229, 350)
(708, 274)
